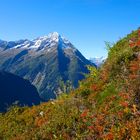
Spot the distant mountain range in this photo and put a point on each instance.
(98, 61)
(51, 63)
(13, 88)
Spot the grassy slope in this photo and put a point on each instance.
(105, 106)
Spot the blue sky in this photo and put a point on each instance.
(86, 23)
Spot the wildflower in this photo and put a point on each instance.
(124, 95)
(92, 116)
(84, 114)
(99, 128)
(126, 110)
(113, 97)
(133, 76)
(84, 120)
(109, 136)
(90, 127)
(138, 43)
(134, 108)
(134, 66)
(120, 114)
(94, 87)
(139, 33)
(41, 113)
(52, 103)
(132, 45)
(124, 104)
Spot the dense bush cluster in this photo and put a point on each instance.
(105, 106)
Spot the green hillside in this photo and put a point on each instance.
(105, 106)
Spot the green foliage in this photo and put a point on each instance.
(108, 46)
(85, 92)
(93, 71)
(109, 91)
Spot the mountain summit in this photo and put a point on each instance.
(39, 43)
(54, 36)
(51, 63)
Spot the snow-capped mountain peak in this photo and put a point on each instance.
(54, 36)
(53, 39)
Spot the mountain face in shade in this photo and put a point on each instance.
(48, 62)
(14, 88)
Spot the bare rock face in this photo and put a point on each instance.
(51, 63)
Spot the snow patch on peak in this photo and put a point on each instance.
(54, 36)
(22, 44)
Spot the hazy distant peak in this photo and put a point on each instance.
(98, 60)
